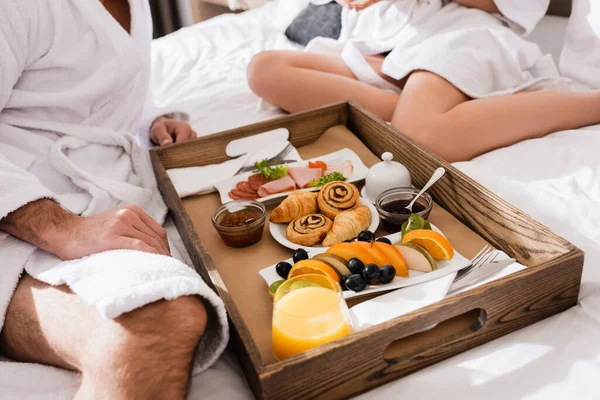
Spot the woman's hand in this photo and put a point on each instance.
(164, 131)
(357, 4)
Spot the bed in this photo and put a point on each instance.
(556, 179)
(201, 70)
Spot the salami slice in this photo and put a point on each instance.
(245, 187)
(239, 195)
(256, 181)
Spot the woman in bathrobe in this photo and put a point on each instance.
(80, 211)
(459, 79)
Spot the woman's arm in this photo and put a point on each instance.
(485, 5)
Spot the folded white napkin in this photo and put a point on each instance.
(201, 180)
(402, 301)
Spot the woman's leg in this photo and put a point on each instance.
(439, 116)
(298, 81)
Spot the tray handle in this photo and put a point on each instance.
(447, 330)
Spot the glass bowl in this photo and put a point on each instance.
(390, 203)
(240, 223)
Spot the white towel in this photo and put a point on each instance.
(119, 281)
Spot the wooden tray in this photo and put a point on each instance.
(467, 213)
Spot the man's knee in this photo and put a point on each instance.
(159, 336)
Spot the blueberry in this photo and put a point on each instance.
(387, 273)
(366, 236)
(283, 269)
(370, 273)
(356, 283)
(349, 241)
(384, 240)
(300, 255)
(355, 266)
(343, 282)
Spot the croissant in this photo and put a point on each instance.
(347, 225)
(309, 229)
(297, 204)
(336, 197)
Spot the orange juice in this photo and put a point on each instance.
(307, 318)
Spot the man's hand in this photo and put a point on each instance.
(128, 227)
(164, 131)
(48, 226)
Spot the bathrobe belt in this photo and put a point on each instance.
(76, 136)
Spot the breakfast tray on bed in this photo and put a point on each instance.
(469, 215)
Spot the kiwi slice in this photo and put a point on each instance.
(274, 286)
(335, 262)
(414, 222)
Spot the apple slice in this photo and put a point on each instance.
(416, 257)
(334, 261)
(395, 258)
(348, 251)
(380, 257)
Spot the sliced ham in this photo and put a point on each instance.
(239, 195)
(303, 176)
(284, 184)
(346, 168)
(256, 181)
(244, 186)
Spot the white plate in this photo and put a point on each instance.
(338, 157)
(278, 230)
(445, 268)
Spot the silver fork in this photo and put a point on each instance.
(277, 159)
(485, 255)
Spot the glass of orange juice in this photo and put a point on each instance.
(308, 311)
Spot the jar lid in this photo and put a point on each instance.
(388, 166)
(386, 175)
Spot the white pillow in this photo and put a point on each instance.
(549, 34)
(580, 57)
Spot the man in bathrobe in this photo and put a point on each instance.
(75, 186)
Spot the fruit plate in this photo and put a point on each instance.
(444, 268)
(278, 230)
(337, 157)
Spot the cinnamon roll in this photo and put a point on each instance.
(336, 197)
(309, 229)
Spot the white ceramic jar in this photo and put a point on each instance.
(383, 176)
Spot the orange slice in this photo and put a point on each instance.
(435, 243)
(305, 267)
(380, 258)
(352, 250)
(395, 257)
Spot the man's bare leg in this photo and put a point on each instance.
(140, 355)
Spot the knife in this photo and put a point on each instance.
(480, 273)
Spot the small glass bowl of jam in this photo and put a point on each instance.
(240, 223)
(391, 207)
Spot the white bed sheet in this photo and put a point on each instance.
(555, 179)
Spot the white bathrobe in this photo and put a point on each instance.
(479, 53)
(73, 85)
(580, 56)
